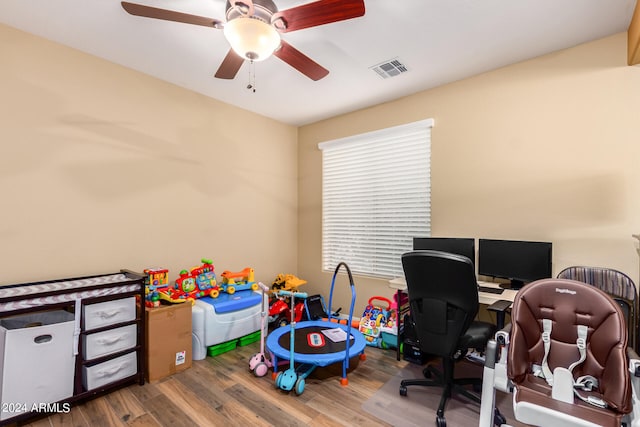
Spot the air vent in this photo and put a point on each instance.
(390, 68)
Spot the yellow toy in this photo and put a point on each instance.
(156, 283)
(238, 281)
(287, 282)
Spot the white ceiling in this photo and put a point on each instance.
(439, 41)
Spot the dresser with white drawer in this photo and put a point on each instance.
(107, 338)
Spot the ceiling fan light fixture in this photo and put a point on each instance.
(251, 38)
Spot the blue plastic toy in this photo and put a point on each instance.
(320, 343)
(287, 380)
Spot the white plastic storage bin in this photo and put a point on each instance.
(37, 360)
(109, 342)
(109, 313)
(230, 316)
(110, 371)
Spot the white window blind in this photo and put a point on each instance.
(375, 198)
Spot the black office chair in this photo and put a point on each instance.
(443, 298)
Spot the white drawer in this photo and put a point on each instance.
(108, 342)
(109, 371)
(108, 313)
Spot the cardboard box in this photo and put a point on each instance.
(168, 340)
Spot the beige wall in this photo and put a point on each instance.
(103, 168)
(546, 149)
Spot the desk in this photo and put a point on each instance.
(485, 298)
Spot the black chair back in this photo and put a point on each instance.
(616, 284)
(443, 297)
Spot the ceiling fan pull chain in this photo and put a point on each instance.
(252, 77)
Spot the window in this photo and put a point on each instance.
(375, 198)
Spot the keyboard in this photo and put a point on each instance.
(490, 290)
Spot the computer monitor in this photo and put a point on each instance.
(519, 261)
(455, 245)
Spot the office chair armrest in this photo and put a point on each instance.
(502, 305)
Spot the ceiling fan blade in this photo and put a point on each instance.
(300, 61)
(169, 15)
(230, 66)
(317, 13)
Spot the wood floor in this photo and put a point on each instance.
(220, 391)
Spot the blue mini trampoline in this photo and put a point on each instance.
(318, 342)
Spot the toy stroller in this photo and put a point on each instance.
(260, 363)
(287, 380)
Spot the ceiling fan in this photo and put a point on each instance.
(253, 29)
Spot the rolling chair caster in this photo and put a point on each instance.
(427, 373)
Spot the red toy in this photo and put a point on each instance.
(280, 307)
(191, 285)
(280, 312)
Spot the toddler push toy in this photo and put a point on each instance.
(373, 320)
(260, 363)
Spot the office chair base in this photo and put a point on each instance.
(435, 378)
